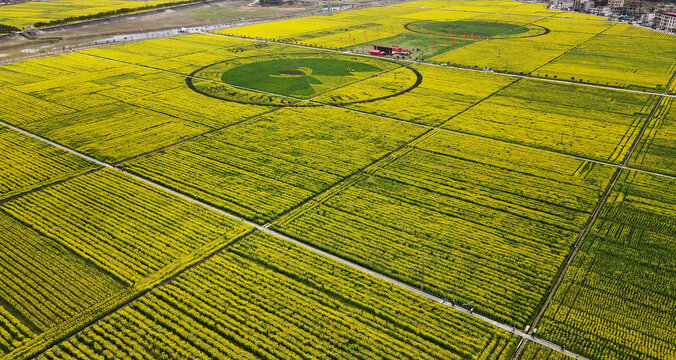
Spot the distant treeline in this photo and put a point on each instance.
(4, 29)
(105, 14)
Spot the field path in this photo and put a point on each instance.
(309, 100)
(264, 228)
(590, 223)
(525, 335)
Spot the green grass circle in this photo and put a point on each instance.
(287, 79)
(295, 76)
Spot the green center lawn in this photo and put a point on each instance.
(298, 77)
(481, 29)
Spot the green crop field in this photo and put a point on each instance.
(297, 76)
(506, 191)
(615, 301)
(468, 29)
(55, 12)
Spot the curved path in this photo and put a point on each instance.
(304, 102)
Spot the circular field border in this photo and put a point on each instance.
(191, 86)
(547, 31)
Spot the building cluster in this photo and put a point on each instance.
(660, 16)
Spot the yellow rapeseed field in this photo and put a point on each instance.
(28, 13)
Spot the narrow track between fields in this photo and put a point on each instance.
(523, 334)
(527, 336)
(590, 223)
(264, 228)
(309, 100)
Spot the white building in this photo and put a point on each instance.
(601, 11)
(648, 18)
(616, 4)
(562, 5)
(586, 5)
(665, 20)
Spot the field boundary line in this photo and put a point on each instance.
(164, 147)
(131, 294)
(49, 185)
(25, 321)
(62, 147)
(572, 49)
(346, 109)
(264, 228)
(377, 161)
(318, 103)
(585, 230)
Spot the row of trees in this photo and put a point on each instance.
(5, 29)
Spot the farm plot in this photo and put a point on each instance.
(128, 228)
(489, 230)
(113, 111)
(440, 94)
(507, 54)
(434, 32)
(489, 6)
(115, 132)
(617, 298)
(43, 282)
(12, 331)
(578, 120)
(635, 61)
(27, 164)
(28, 108)
(263, 167)
(657, 149)
(335, 32)
(535, 351)
(31, 12)
(269, 299)
(186, 53)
